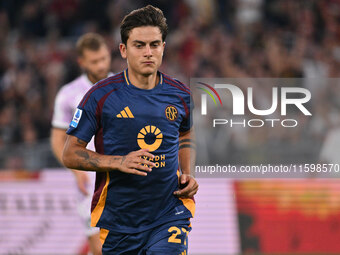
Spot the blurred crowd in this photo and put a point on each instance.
(207, 38)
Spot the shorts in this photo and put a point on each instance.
(167, 239)
(84, 207)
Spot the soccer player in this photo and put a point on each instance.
(140, 118)
(94, 58)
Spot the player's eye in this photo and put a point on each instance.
(154, 45)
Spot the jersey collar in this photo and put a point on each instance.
(127, 80)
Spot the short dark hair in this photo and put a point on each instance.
(146, 16)
(90, 41)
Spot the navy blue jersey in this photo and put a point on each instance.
(124, 118)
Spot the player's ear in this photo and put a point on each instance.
(122, 49)
(80, 61)
(163, 48)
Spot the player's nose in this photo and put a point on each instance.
(102, 65)
(147, 52)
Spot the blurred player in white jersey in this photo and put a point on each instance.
(95, 60)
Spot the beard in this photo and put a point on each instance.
(95, 77)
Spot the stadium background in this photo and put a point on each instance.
(208, 38)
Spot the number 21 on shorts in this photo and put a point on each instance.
(176, 232)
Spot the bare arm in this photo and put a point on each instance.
(58, 138)
(187, 151)
(187, 157)
(76, 156)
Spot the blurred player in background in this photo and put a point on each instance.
(141, 119)
(94, 58)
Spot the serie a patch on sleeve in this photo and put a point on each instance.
(76, 118)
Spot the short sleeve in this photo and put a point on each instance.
(187, 121)
(84, 121)
(62, 113)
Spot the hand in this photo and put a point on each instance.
(82, 180)
(134, 162)
(188, 186)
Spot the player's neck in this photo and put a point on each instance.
(143, 81)
(92, 78)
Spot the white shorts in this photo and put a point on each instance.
(84, 207)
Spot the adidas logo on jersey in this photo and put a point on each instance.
(126, 113)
